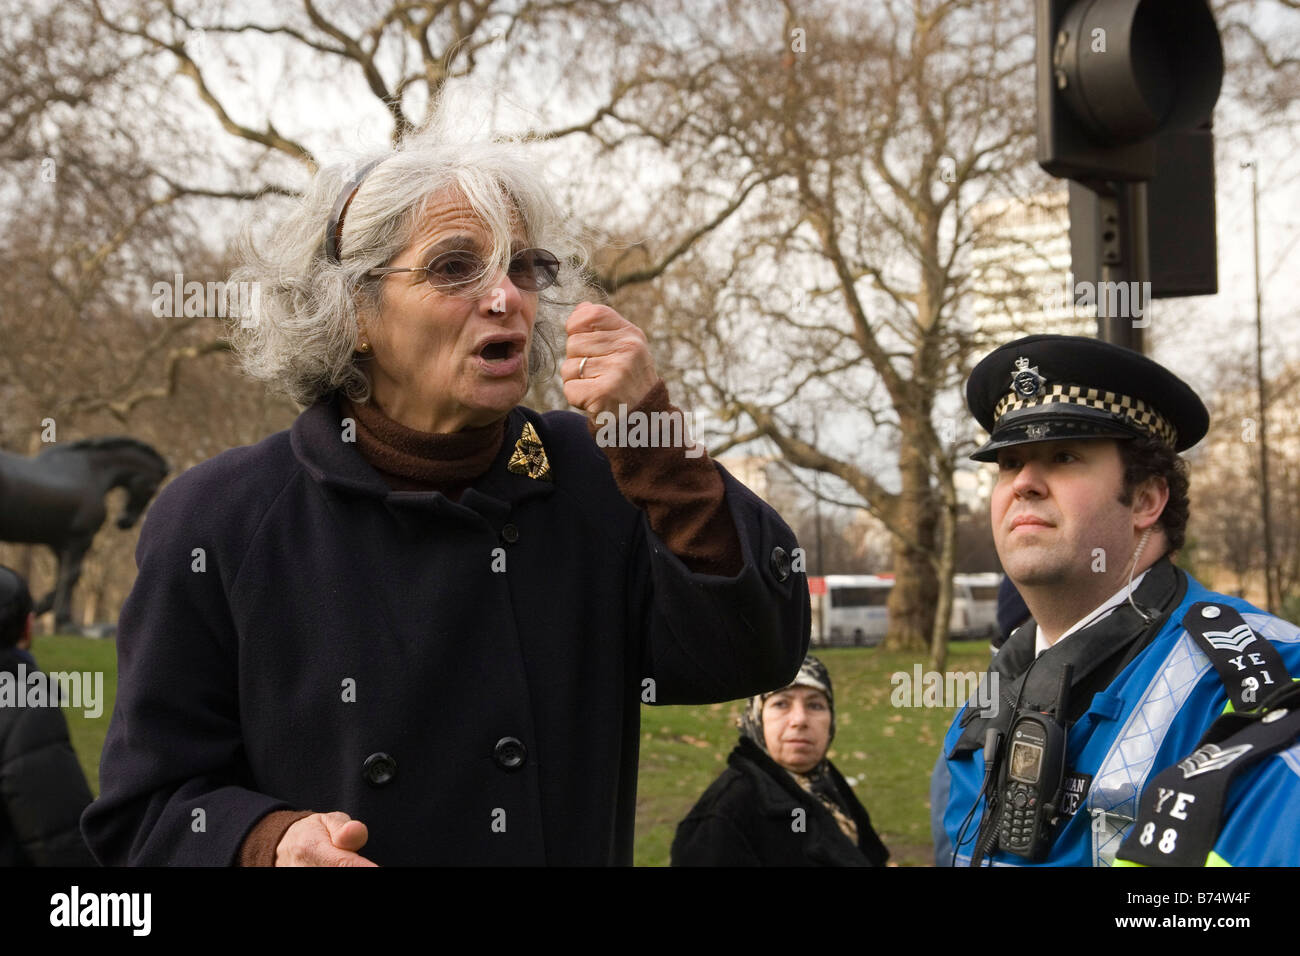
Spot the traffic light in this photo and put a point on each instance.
(1115, 74)
(1126, 90)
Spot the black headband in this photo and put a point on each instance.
(334, 231)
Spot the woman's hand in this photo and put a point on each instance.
(323, 839)
(618, 369)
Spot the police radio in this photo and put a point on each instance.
(1033, 773)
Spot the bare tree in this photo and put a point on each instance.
(404, 54)
(1262, 77)
(834, 299)
(1226, 516)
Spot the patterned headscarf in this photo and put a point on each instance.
(812, 673)
(817, 781)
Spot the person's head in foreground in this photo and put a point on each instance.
(1090, 486)
(440, 291)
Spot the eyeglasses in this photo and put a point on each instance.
(459, 271)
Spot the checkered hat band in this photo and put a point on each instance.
(1134, 409)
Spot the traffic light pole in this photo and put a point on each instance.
(1124, 258)
(1109, 250)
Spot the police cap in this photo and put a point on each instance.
(1051, 387)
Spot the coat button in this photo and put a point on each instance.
(780, 563)
(379, 769)
(510, 753)
(509, 534)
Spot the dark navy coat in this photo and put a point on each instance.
(301, 637)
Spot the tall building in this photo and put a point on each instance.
(1021, 271)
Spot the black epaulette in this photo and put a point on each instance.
(1181, 810)
(1249, 666)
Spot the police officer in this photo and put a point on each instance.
(1127, 661)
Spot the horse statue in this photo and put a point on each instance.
(57, 499)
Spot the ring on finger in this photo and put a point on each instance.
(582, 365)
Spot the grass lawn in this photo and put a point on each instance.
(885, 752)
(65, 653)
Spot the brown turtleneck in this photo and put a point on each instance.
(410, 460)
(684, 501)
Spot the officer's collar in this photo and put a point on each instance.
(1122, 630)
(1105, 607)
(318, 440)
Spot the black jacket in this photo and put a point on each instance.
(302, 637)
(42, 788)
(746, 818)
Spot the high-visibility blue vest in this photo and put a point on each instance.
(1150, 716)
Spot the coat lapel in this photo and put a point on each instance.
(318, 440)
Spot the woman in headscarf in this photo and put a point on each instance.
(781, 802)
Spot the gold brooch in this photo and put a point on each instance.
(529, 457)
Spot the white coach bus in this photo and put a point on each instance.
(850, 610)
(852, 607)
(975, 605)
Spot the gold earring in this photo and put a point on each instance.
(364, 346)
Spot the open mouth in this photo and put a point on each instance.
(501, 359)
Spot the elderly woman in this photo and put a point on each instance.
(781, 802)
(418, 626)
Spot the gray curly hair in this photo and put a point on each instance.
(300, 334)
